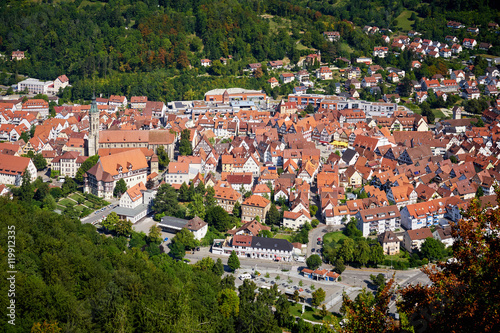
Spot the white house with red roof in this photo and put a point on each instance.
(206, 62)
(12, 169)
(119, 101)
(324, 73)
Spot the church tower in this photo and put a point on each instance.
(93, 137)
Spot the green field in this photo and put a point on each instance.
(300, 46)
(309, 314)
(333, 236)
(66, 202)
(437, 113)
(404, 22)
(288, 237)
(396, 257)
(75, 196)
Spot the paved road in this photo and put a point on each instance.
(353, 279)
(318, 232)
(100, 214)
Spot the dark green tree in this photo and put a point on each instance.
(150, 184)
(120, 188)
(183, 193)
(273, 216)
(185, 237)
(209, 198)
(39, 161)
(339, 265)
(166, 200)
(314, 261)
(347, 250)
(86, 166)
(185, 143)
(233, 262)
(376, 254)
(163, 159)
(282, 313)
(237, 209)
(432, 249)
(352, 230)
(26, 190)
(309, 108)
(247, 291)
(177, 250)
(41, 192)
(228, 282)
(196, 207)
(378, 280)
(362, 253)
(218, 268)
(218, 218)
(318, 297)
(69, 186)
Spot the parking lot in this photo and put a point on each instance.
(145, 224)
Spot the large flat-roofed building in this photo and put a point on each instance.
(35, 86)
(234, 94)
(196, 225)
(255, 247)
(378, 220)
(130, 165)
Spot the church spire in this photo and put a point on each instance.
(93, 105)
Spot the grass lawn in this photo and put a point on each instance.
(396, 257)
(309, 314)
(300, 46)
(284, 236)
(333, 236)
(438, 114)
(61, 208)
(404, 22)
(90, 205)
(79, 208)
(75, 196)
(66, 202)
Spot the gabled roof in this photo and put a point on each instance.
(419, 234)
(257, 201)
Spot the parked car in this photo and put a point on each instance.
(166, 239)
(313, 250)
(198, 248)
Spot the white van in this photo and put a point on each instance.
(245, 276)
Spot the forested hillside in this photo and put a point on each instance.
(71, 277)
(145, 47)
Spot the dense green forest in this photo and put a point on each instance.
(69, 274)
(154, 47)
(73, 278)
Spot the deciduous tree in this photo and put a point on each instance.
(464, 294)
(229, 303)
(318, 297)
(233, 262)
(120, 188)
(314, 261)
